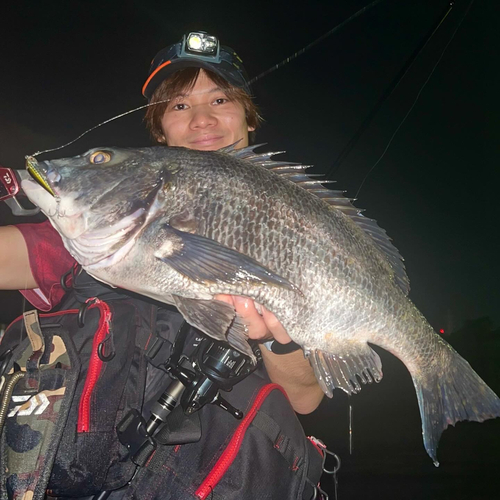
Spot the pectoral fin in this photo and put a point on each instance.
(217, 319)
(205, 261)
(342, 370)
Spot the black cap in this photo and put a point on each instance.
(196, 50)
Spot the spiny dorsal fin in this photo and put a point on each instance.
(296, 173)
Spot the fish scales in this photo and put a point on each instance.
(181, 226)
(290, 237)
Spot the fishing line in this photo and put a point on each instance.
(416, 98)
(99, 125)
(258, 77)
(388, 92)
(315, 42)
(24, 303)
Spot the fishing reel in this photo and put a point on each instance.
(197, 380)
(213, 367)
(10, 189)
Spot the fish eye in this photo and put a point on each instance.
(99, 157)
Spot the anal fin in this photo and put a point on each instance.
(342, 370)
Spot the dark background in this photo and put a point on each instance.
(68, 65)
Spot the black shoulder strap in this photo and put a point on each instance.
(294, 457)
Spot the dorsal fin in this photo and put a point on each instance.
(232, 147)
(296, 173)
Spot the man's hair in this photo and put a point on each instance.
(183, 81)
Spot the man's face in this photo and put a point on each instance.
(204, 118)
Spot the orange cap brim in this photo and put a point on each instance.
(152, 75)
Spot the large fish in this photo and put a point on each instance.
(180, 226)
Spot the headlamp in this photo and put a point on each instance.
(200, 45)
(197, 49)
(201, 42)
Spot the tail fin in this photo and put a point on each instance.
(448, 396)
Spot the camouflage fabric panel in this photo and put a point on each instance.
(34, 331)
(58, 354)
(29, 429)
(32, 419)
(22, 361)
(35, 335)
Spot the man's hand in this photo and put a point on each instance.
(261, 323)
(292, 371)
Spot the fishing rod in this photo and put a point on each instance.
(416, 98)
(253, 80)
(9, 185)
(389, 90)
(19, 210)
(359, 13)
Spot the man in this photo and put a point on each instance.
(204, 103)
(203, 112)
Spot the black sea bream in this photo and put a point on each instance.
(180, 226)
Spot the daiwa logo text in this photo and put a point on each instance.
(37, 405)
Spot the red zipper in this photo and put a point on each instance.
(95, 365)
(229, 454)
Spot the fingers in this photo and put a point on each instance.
(229, 299)
(275, 327)
(255, 323)
(264, 326)
(245, 308)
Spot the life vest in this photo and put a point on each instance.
(71, 377)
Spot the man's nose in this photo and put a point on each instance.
(202, 117)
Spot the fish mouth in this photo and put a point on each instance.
(39, 174)
(43, 175)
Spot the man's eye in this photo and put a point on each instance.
(179, 107)
(221, 100)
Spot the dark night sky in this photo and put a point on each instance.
(67, 65)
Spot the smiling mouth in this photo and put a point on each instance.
(208, 139)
